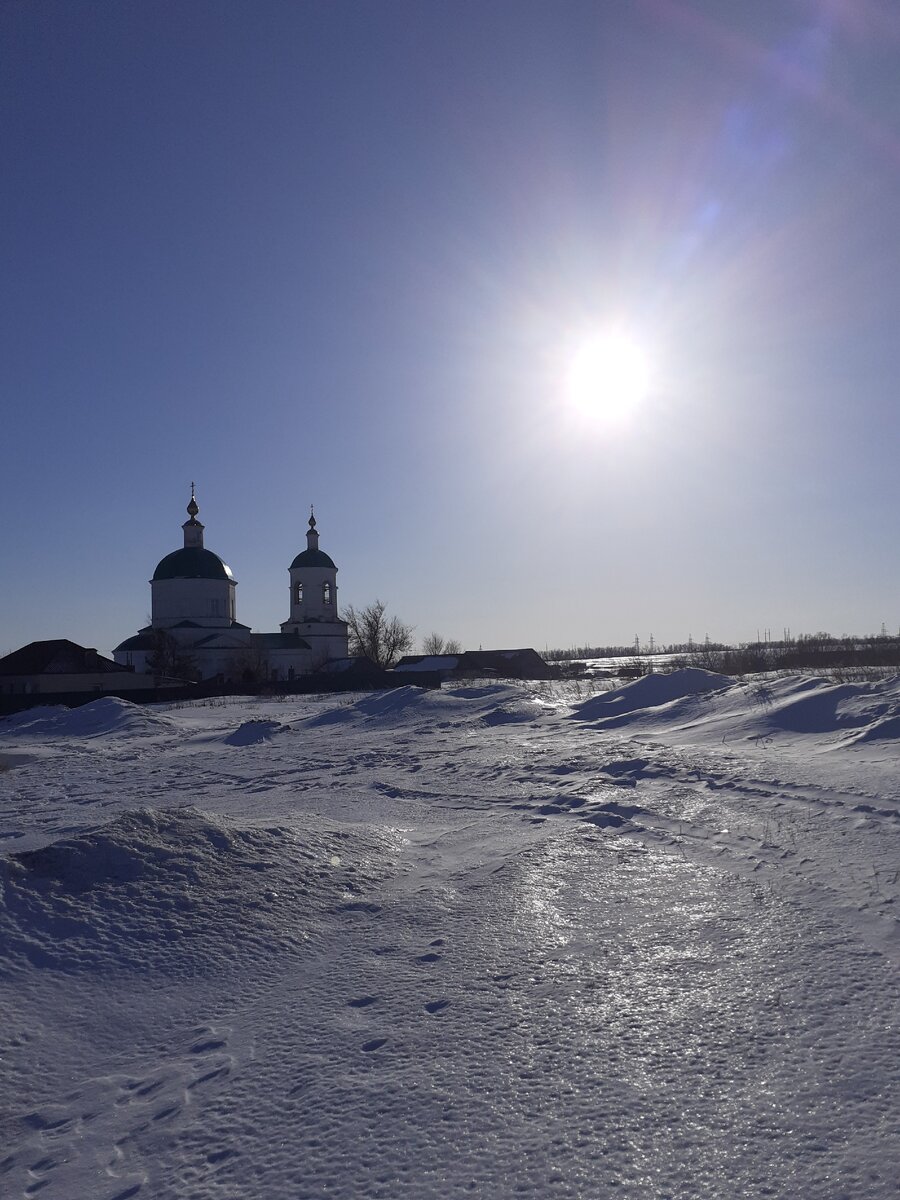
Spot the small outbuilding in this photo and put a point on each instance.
(63, 666)
(524, 663)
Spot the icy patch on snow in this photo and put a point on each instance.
(106, 715)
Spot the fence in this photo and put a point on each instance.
(304, 685)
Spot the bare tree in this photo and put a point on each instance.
(435, 644)
(376, 635)
(247, 666)
(169, 659)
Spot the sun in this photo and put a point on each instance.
(608, 376)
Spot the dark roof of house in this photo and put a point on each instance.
(526, 652)
(524, 663)
(192, 562)
(312, 558)
(428, 662)
(57, 657)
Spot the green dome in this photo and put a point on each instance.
(313, 558)
(192, 562)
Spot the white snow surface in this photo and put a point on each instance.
(492, 941)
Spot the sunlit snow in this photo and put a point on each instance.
(490, 941)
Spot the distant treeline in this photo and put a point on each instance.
(804, 651)
(637, 647)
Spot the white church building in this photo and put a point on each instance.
(194, 613)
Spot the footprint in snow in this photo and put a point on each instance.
(43, 1166)
(204, 1047)
(225, 1069)
(127, 1193)
(217, 1156)
(170, 1111)
(149, 1088)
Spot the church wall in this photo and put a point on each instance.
(327, 641)
(288, 664)
(209, 602)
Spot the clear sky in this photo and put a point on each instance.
(344, 253)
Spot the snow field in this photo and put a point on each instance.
(475, 942)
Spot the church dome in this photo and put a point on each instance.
(192, 562)
(312, 558)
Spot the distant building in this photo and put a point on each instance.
(505, 664)
(194, 627)
(62, 666)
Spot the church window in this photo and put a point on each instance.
(326, 593)
(298, 593)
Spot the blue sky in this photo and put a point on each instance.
(341, 253)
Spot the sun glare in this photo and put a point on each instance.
(608, 376)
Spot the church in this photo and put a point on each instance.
(194, 627)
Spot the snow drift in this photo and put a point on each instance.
(700, 706)
(177, 891)
(106, 715)
(650, 692)
(492, 704)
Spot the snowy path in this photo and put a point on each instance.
(459, 946)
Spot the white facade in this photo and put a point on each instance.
(313, 602)
(193, 604)
(203, 601)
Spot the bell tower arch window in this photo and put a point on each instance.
(298, 593)
(326, 593)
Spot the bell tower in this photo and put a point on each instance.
(313, 600)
